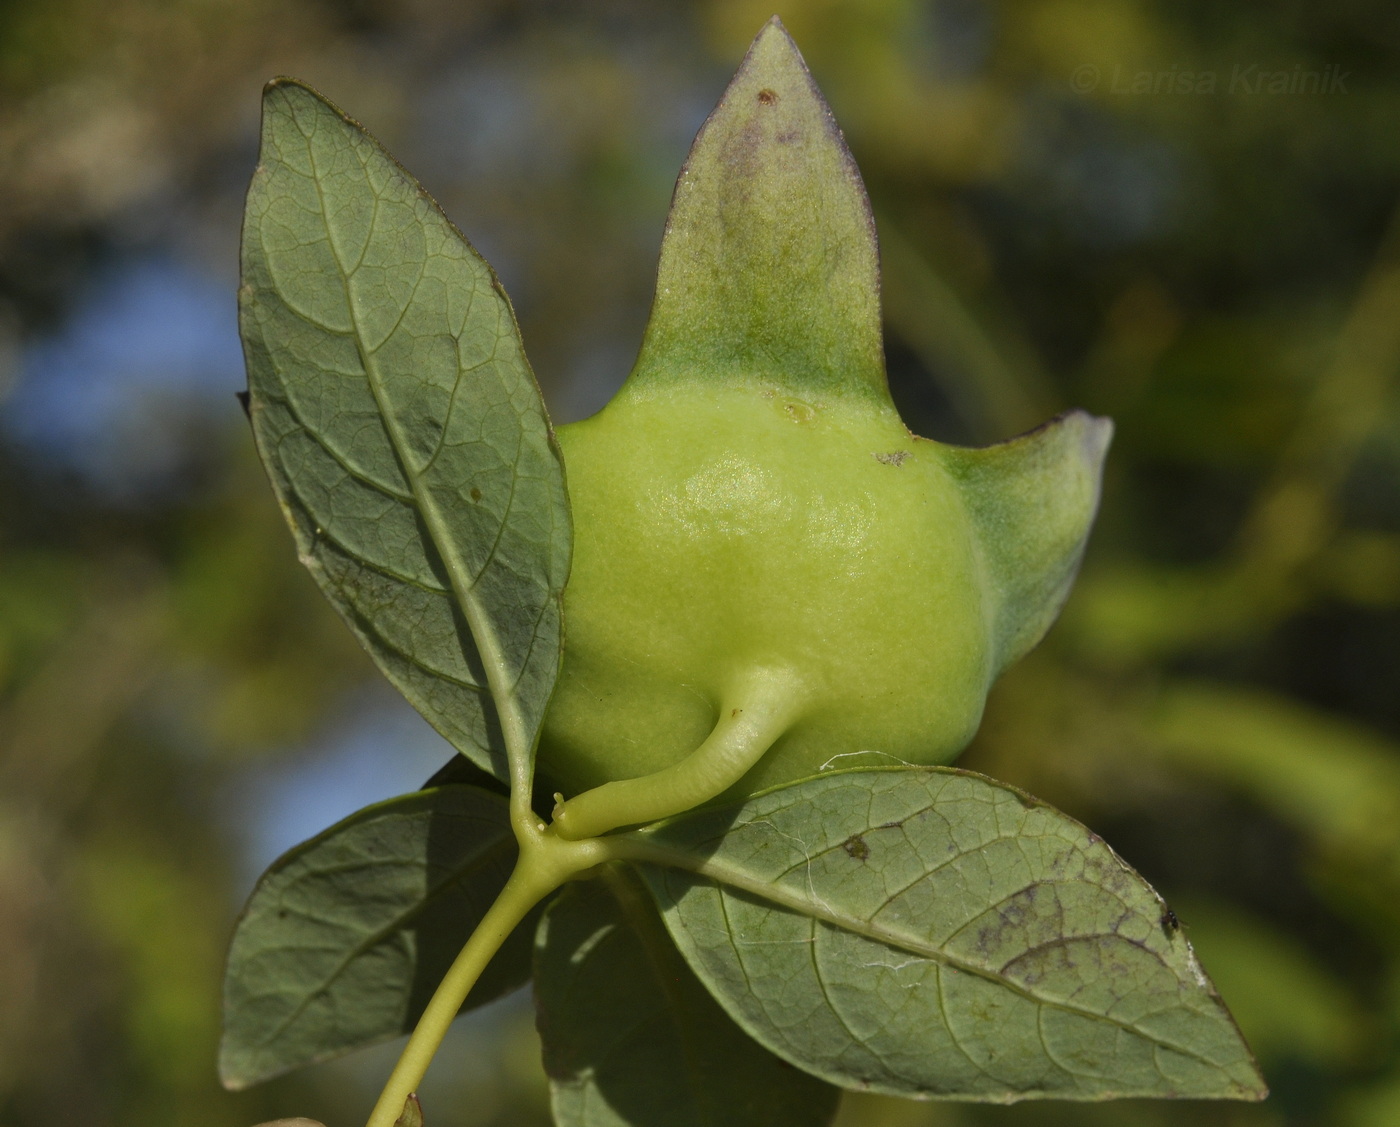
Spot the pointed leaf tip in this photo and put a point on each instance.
(769, 269)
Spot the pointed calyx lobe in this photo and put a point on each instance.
(769, 269)
(770, 275)
(1031, 501)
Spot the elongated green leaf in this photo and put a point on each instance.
(930, 932)
(402, 429)
(346, 937)
(631, 1039)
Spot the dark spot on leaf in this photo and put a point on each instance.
(855, 847)
(1013, 916)
(895, 458)
(1170, 923)
(767, 97)
(788, 137)
(476, 493)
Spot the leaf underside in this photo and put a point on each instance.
(345, 937)
(932, 933)
(630, 1036)
(402, 428)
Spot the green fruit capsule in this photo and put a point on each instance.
(772, 576)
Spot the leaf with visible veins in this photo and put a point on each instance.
(930, 932)
(346, 936)
(402, 429)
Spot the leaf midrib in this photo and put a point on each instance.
(482, 630)
(723, 874)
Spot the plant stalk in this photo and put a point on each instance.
(759, 711)
(545, 863)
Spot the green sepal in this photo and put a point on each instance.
(1031, 501)
(769, 269)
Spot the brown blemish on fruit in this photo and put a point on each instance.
(767, 97)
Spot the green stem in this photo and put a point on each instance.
(748, 725)
(544, 864)
(551, 855)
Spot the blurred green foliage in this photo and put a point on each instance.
(1219, 271)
